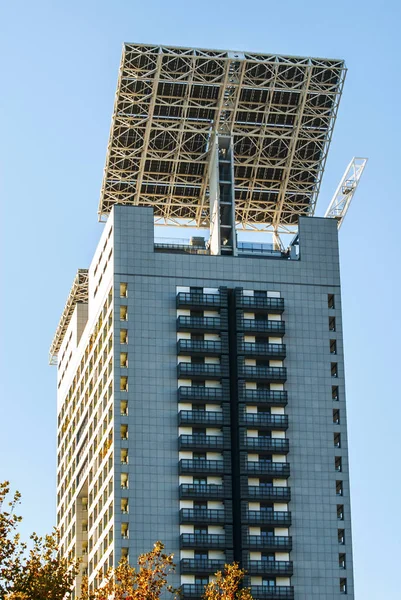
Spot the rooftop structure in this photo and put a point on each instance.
(171, 103)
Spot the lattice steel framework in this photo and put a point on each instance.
(280, 111)
(345, 191)
(78, 293)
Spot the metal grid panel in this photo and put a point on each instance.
(78, 293)
(280, 111)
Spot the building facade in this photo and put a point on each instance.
(202, 402)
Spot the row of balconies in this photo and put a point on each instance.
(200, 441)
(253, 567)
(260, 304)
(218, 371)
(218, 347)
(194, 491)
(204, 516)
(259, 592)
(219, 418)
(212, 395)
(219, 467)
(200, 541)
(220, 323)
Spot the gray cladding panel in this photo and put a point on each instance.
(152, 279)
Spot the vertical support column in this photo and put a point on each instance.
(222, 198)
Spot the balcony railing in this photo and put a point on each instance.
(205, 516)
(264, 420)
(264, 397)
(194, 565)
(196, 466)
(198, 299)
(202, 371)
(188, 323)
(205, 541)
(276, 592)
(269, 567)
(202, 417)
(265, 492)
(201, 442)
(265, 444)
(276, 518)
(272, 305)
(199, 347)
(268, 542)
(261, 326)
(193, 590)
(262, 373)
(207, 490)
(261, 467)
(267, 350)
(187, 393)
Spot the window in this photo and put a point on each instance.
(123, 290)
(124, 408)
(341, 561)
(123, 360)
(330, 301)
(123, 336)
(333, 346)
(343, 585)
(332, 323)
(267, 531)
(268, 556)
(197, 337)
(337, 440)
(340, 512)
(123, 313)
(200, 530)
(260, 294)
(334, 392)
(200, 505)
(334, 369)
(336, 416)
(199, 455)
(341, 536)
(199, 481)
(339, 488)
(268, 582)
(266, 507)
(201, 580)
(200, 555)
(338, 464)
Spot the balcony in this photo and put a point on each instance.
(203, 467)
(270, 374)
(201, 371)
(277, 351)
(264, 444)
(267, 542)
(277, 518)
(203, 417)
(266, 493)
(270, 305)
(202, 442)
(261, 326)
(205, 541)
(199, 300)
(200, 347)
(264, 397)
(195, 566)
(204, 491)
(264, 420)
(275, 592)
(202, 324)
(269, 567)
(203, 516)
(203, 395)
(266, 468)
(193, 590)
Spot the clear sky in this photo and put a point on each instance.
(59, 62)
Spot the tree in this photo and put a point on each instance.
(127, 583)
(41, 574)
(227, 585)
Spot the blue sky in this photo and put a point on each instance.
(59, 64)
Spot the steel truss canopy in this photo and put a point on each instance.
(279, 110)
(78, 293)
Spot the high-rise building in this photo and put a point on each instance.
(201, 394)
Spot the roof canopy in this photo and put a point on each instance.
(280, 111)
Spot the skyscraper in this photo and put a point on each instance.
(201, 394)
